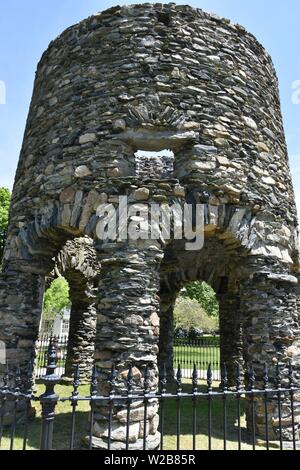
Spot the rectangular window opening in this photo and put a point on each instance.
(157, 165)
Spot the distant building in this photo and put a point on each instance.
(57, 327)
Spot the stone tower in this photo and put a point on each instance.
(154, 78)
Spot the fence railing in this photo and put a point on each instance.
(42, 346)
(201, 352)
(191, 416)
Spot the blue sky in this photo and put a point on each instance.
(27, 27)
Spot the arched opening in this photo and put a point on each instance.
(196, 339)
(69, 313)
(54, 324)
(213, 275)
(201, 327)
(38, 248)
(55, 318)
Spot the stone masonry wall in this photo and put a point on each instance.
(153, 77)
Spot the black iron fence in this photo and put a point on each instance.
(192, 415)
(42, 346)
(202, 352)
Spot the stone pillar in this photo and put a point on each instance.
(82, 333)
(270, 300)
(128, 333)
(231, 333)
(21, 295)
(166, 336)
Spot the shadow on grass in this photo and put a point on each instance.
(223, 428)
(63, 418)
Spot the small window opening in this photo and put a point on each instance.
(156, 165)
(164, 18)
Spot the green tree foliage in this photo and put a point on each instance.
(204, 295)
(56, 299)
(188, 314)
(4, 209)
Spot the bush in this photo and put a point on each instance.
(195, 333)
(181, 333)
(205, 296)
(189, 315)
(4, 210)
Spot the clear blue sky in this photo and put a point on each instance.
(27, 27)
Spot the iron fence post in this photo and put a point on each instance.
(49, 399)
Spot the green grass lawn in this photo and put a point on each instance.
(62, 424)
(202, 356)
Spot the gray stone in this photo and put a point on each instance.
(119, 125)
(217, 110)
(250, 122)
(82, 171)
(86, 138)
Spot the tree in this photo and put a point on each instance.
(56, 299)
(188, 314)
(204, 295)
(4, 210)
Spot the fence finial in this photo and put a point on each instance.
(112, 379)
(163, 379)
(76, 381)
(266, 376)
(130, 379)
(179, 379)
(238, 377)
(290, 374)
(195, 379)
(278, 376)
(147, 377)
(251, 377)
(49, 399)
(94, 381)
(209, 378)
(224, 378)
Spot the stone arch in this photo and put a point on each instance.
(30, 256)
(218, 110)
(219, 264)
(77, 262)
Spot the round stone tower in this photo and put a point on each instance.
(109, 92)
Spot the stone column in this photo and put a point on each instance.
(128, 333)
(82, 333)
(231, 333)
(270, 300)
(166, 336)
(21, 295)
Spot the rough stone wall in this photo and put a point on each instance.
(153, 77)
(182, 79)
(154, 166)
(20, 310)
(270, 303)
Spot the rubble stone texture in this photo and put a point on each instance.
(154, 77)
